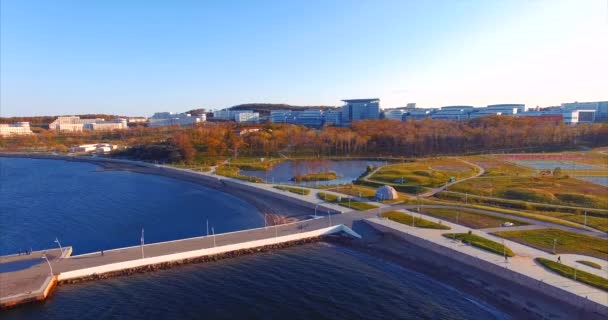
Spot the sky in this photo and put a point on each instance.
(140, 57)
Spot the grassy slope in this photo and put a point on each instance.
(567, 242)
(568, 272)
(482, 243)
(406, 219)
(293, 189)
(352, 204)
(469, 218)
(425, 172)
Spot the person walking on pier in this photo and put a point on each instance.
(102, 253)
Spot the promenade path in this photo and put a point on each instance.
(522, 263)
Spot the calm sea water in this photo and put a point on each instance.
(347, 171)
(92, 210)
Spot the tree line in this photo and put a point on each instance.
(369, 138)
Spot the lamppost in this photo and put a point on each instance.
(213, 233)
(47, 261)
(60, 248)
(554, 244)
(316, 205)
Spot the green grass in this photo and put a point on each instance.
(573, 217)
(590, 264)
(406, 219)
(568, 272)
(567, 242)
(546, 189)
(319, 176)
(233, 172)
(293, 189)
(495, 167)
(426, 172)
(468, 218)
(481, 243)
(344, 201)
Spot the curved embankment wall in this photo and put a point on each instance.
(181, 256)
(527, 282)
(208, 180)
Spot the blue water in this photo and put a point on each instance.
(552, 164)
(347, 171)
(91, 210)
(94, 210)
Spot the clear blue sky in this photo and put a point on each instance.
(139, 57)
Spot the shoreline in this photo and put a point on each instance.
(515, 301)
(505, 296)
(267, 206)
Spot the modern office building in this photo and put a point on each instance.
(310, 118)
(498, 109)
(75, 123)
(332, 118)
(394, 114)
(360, 109)
(246, 116)
(17, 128)
(579, 116)
(419, 113)
(236, 115)
(164, 119)
(600, 107)
(453, 113)
(281, 116)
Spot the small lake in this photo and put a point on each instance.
(603, 181)
(347, 171)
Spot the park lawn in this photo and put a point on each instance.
(406, 219)
(201, 167)
(233, 172)
(354, 190)
(318, 176)
(481, 243)
(254, 163)
(546, 189)
(425, 172)
(494, 166)
(574, 217)
(568, 272)
(590, 264)
(293, 189)
(468, 218)
(344, 201)
(567, 242)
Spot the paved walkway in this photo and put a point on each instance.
(522, 263)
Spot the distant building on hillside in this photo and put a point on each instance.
(332, 118)
(75, 123)
(453, 113)
(579, 116)
(498, 109)
(236, 115)
(360, 109)
(600, 108)
(164, 119)
(17, 128)
(95, 147)
(394, 114)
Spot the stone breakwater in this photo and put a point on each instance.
(202, 259)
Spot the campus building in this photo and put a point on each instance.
(579, 116)
(75, 124)
(236, 115)
(164, 119)
(360, 109)
(453, 113)
(394, 114)
(600, 108)
(17, 128)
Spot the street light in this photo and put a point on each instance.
(60, 248)
(554, 244)
(47, 261)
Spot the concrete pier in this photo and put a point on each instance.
(36, 282)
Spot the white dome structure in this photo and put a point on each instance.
(386, 193)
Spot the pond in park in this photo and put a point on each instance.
(347, 171)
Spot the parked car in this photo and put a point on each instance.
(507, 224)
